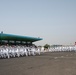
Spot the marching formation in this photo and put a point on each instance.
(63, 48)
(17, 51)
(20, 50)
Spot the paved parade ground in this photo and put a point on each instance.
(49, 63)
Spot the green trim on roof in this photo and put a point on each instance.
(18, 38)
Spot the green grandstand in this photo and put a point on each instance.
(17, 39)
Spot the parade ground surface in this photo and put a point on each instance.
(49, 63)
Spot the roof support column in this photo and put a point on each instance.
(30, 43)
(8, 42)
(15, 42)
(20, 42)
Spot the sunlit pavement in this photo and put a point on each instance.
(48, 63)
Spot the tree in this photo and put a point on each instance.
(46, 46)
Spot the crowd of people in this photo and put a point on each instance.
(63, 48)
(7, 51)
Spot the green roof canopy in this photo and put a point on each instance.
(11, 37)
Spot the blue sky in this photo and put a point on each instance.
(52, 20)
